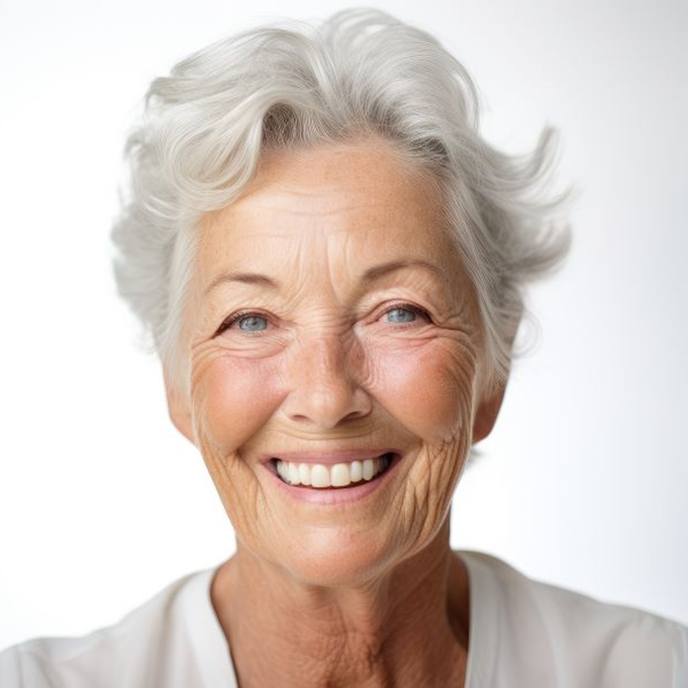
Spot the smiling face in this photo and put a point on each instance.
(333, 352)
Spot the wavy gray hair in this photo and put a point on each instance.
(361, 71)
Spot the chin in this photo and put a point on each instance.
(332, 558)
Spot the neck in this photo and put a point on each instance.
(284, 633)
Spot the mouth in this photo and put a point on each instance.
(340, 477)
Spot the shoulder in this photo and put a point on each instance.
(131, 652)
(577, 635)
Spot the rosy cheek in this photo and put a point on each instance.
(423, 391)
(239, 397)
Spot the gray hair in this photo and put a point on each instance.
(361, 71)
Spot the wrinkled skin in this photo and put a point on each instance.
(337, 596)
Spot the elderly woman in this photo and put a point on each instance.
(331, 263)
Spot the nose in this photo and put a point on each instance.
(323, 388)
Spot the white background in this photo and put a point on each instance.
(584, 481)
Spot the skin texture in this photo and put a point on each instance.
(345, 596)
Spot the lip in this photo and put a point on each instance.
(329, 458)
(333, 496)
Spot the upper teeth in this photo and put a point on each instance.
(338, 475)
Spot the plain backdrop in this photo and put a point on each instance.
(583, 482)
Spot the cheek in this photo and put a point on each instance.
(237, 396)
(428, 389)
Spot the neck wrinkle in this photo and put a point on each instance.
(282, 632)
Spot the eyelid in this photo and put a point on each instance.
(407, 306)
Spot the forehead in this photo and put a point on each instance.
(349, 201)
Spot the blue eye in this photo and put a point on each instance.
(252, 321)
(405, 313)
(248, 322)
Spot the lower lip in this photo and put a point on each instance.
(330, 496)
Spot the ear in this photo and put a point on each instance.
(486, 415)
(488, 410)
(178, 407)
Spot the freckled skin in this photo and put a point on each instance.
(341, 597)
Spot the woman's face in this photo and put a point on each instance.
(325, 359)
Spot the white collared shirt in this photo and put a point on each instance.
(523, 634)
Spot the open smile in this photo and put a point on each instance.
(333, 484)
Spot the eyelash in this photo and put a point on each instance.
(402, 306)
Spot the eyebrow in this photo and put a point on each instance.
(370, 275)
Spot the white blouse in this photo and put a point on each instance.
(523, 634)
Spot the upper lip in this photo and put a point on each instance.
(329, 457)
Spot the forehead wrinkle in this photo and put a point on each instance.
(384, 206)
(339, 201)
(406, 266)
(336, 245)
